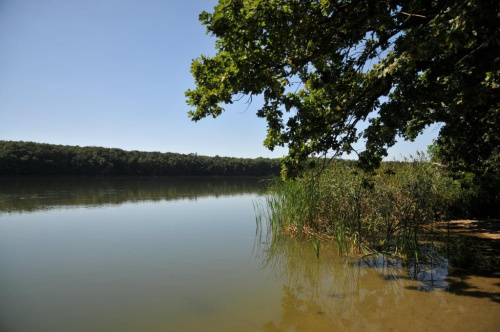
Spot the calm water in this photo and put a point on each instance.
(184, 255)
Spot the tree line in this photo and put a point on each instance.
(30, 158)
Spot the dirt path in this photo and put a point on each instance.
(484, 229)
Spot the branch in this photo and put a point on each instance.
(410, 15)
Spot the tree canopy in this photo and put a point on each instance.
(29, 158)
(325, 67)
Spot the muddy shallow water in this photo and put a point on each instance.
(184, 255)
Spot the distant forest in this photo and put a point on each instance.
(29, 158)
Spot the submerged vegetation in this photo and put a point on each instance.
(391, 211)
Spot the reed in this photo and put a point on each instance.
(366, 213)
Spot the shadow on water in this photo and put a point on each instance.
(381, 292)
(461, 283)
(29, 194)
(471, 263)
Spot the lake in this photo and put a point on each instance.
(186, 254)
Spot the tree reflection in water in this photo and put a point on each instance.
(325, 292)
(336, 293)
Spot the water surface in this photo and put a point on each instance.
(145, 254)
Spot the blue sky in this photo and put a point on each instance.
(113, 73)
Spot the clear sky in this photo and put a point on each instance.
(113, 73)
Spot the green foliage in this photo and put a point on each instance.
(480, 194)
(323, 67)
(385, 211)
(28, 158)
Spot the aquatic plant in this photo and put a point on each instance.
(386, 211)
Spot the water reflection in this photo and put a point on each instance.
(28, 194)
(373, 293)
(186, 264)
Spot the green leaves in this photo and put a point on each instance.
(331, 64)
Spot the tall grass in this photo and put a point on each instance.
(386, 211)
(291, 206)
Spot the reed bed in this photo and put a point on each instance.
(366, 213)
